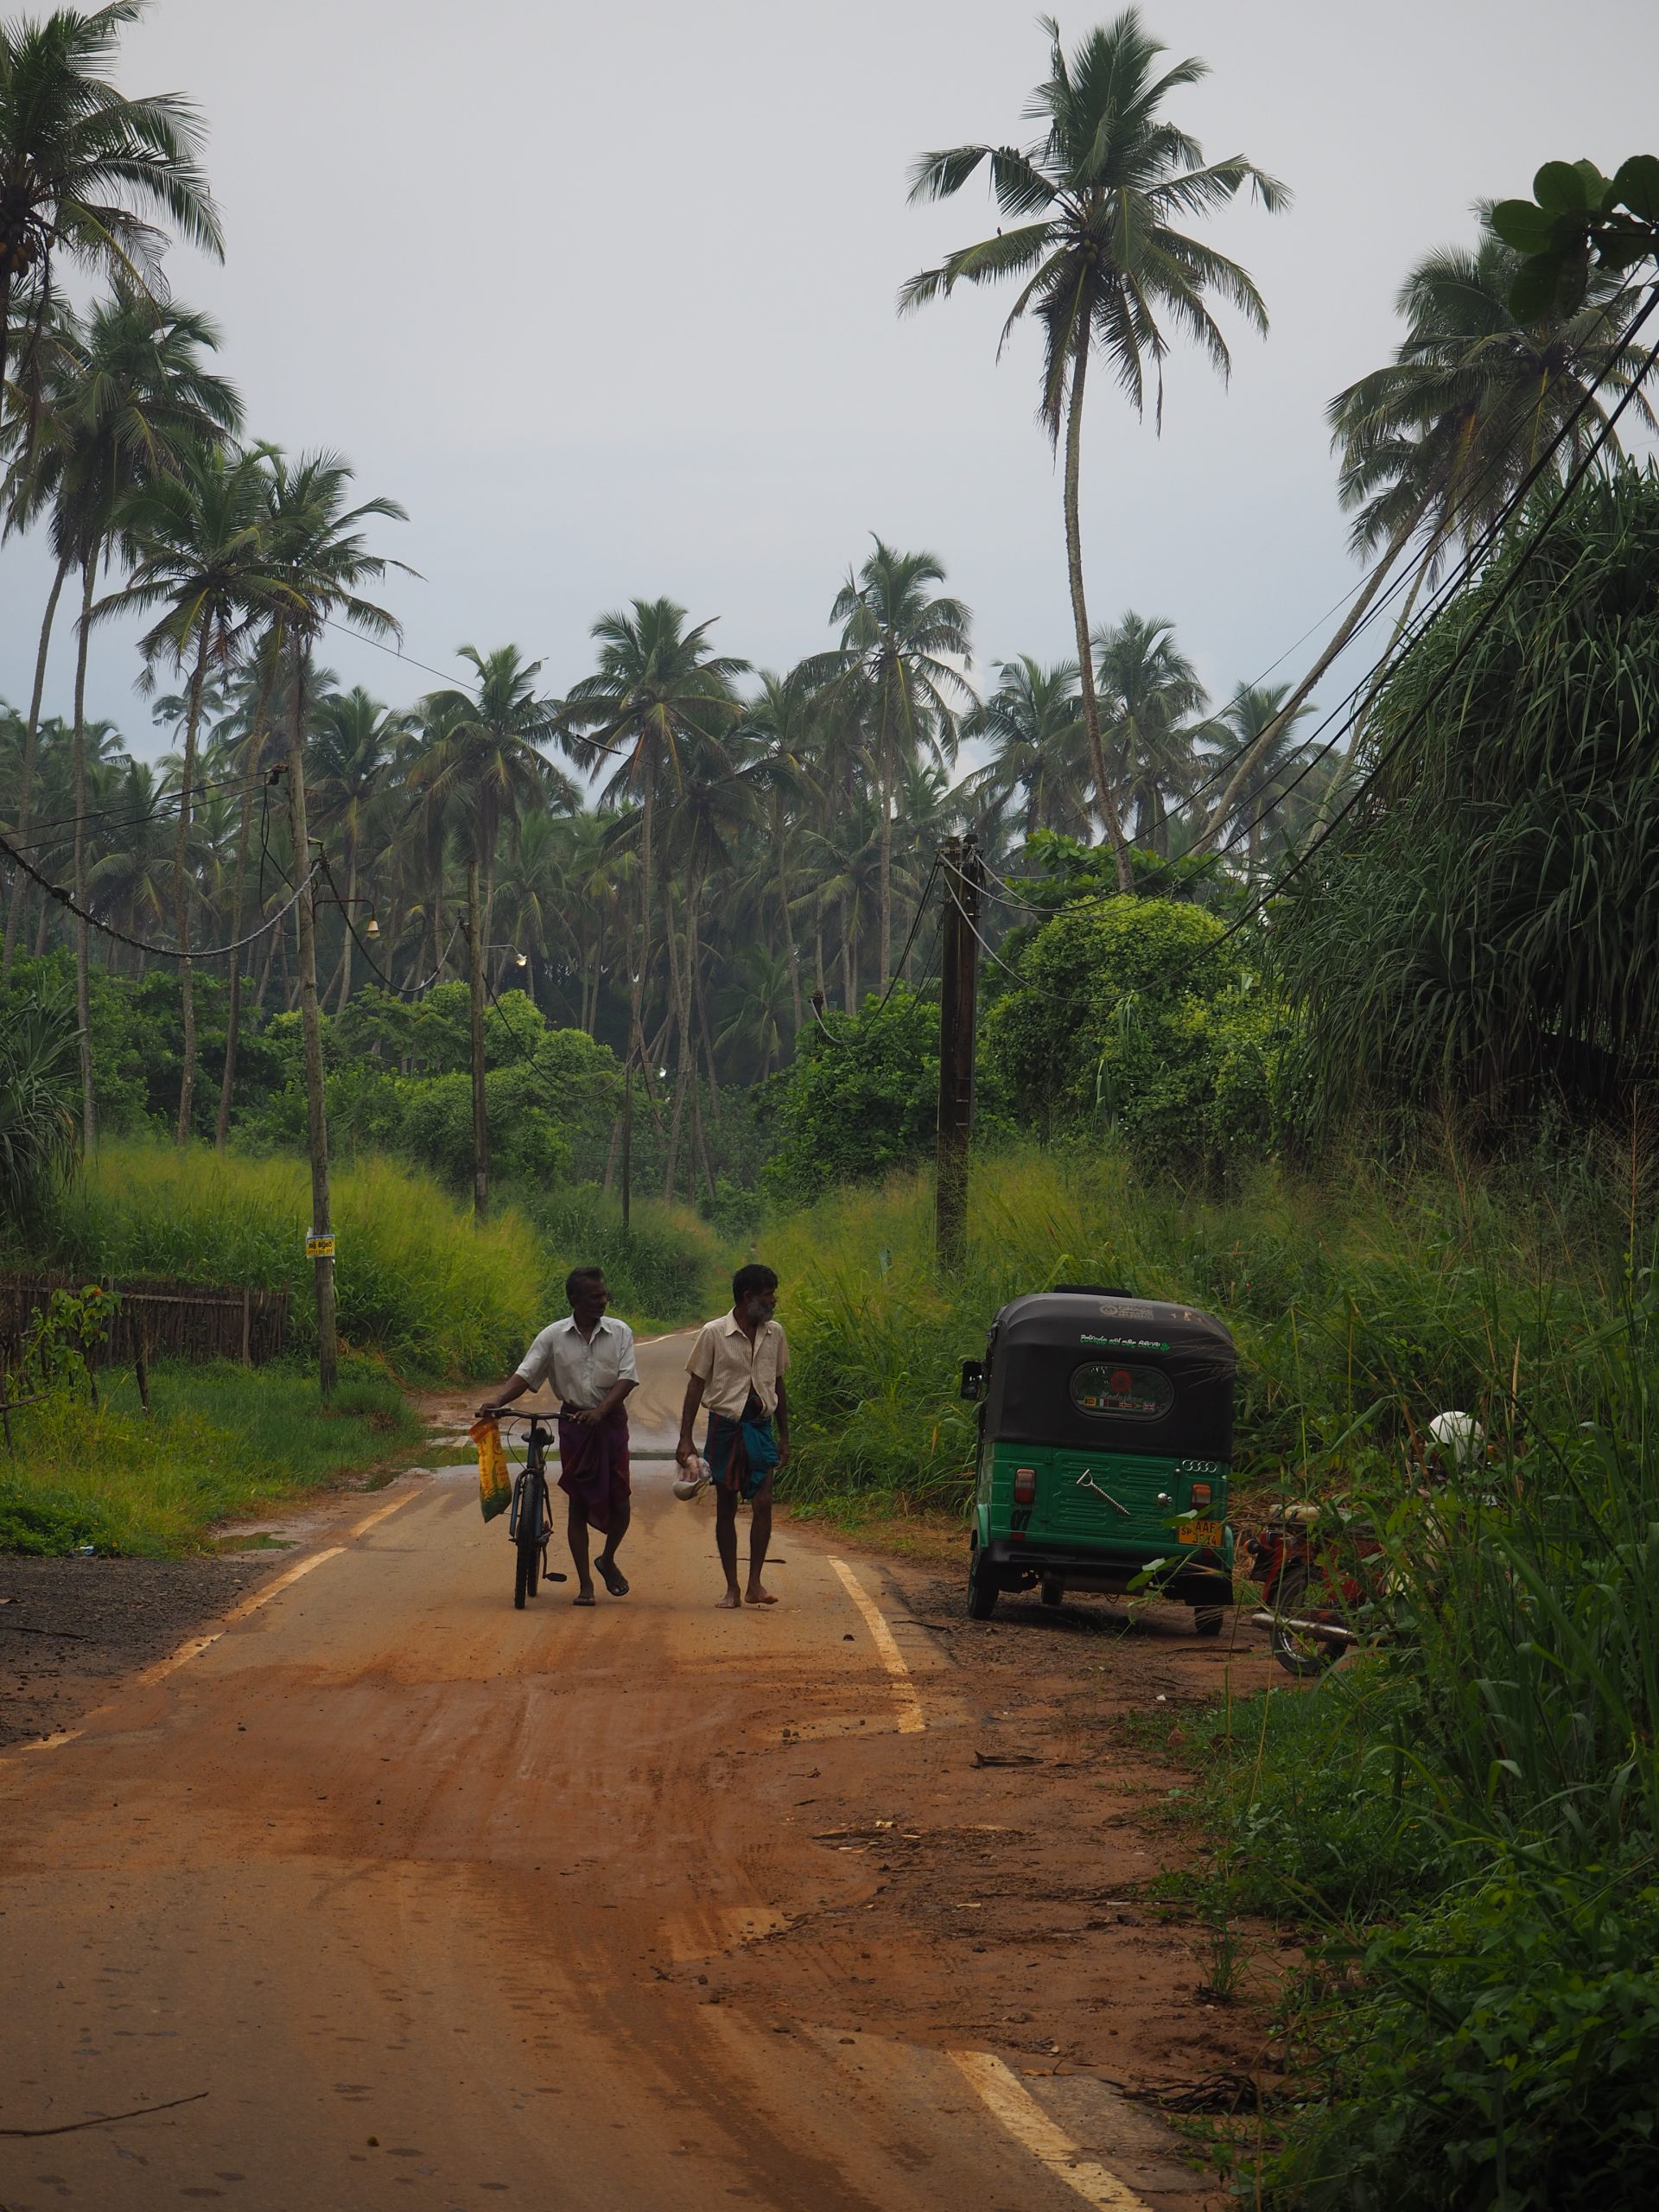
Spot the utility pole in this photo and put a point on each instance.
(627, 1138)
(958, 993)
(320, 1244)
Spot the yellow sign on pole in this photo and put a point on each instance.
(319, 1248)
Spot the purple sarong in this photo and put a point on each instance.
(593, 1465)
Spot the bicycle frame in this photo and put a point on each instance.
(530, 1521)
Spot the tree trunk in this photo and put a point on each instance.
(1345, 629)
(685, 1055)
(789, 953)
(181, 892)
(884, 782)
(244, 840)
(476, 974)
(26, 781)
(311, 1030)
(83, 989)
(1080, 614)
(351, 900)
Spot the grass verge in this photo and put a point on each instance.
(222, 1442)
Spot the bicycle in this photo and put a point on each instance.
(529, 1522)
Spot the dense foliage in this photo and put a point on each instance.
(1484, 931)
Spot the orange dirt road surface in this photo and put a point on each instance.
(392, 1897)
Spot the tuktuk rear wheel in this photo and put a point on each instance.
(983, 1589)
(1207, 1619)
(1052, 1590)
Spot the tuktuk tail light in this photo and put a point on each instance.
(1200, 1495)
(1024, 1485)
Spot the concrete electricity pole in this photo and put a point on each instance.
(959, 879)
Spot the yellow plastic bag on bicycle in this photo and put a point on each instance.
(494, 1485)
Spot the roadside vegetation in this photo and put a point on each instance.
(219, 1443)
(1343, 1027)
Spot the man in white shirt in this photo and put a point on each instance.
(589, 1361)
(737, 1368)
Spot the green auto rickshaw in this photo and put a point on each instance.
(1105, 1439)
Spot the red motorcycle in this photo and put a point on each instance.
(1316, 1580)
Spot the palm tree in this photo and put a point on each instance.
(26, 493)
(353, 739)
(1150, 690)
(129, 398)
(1033, 723)
(1255, 711)
(201, 552)
(133, 881)
(485, 756)
(657, 692)
(317, 549)
(1098, 258)
(779, 734)
(760, 1000)
(892, 638)
(1435, 445)
(78, 161)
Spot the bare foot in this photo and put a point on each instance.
(728, 1604)
(758, 1597)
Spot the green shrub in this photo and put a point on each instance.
(857, 1102)
(1502, 2056)
(1135, 1014)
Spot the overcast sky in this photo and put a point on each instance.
(603, 293)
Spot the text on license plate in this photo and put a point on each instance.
(1199, 1532)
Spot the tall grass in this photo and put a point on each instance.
(219, 1442)
(667, 1266)
(418, 1281)
(1361, 1308)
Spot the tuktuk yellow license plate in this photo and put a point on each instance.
(1209, 1533)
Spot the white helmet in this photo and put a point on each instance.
(1459, 1438)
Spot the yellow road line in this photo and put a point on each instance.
(382, 1514)
(194, 1646)
(263, 1596)
(912, 1720)
(1018, 2112)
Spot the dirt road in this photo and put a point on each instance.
(394, 1897)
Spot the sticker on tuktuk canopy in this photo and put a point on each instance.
(1128, 1393)
(1125, 1344)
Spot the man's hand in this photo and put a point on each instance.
(586, 1415)
(685, 1452)
(782, 1450)
(487, 1413)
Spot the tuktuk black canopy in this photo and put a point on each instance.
(1120, 1374)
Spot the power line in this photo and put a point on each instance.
(1397, 653)
(1487, 615)
(1441, 597)
(164, 804)
(403, 991)
(893, 981)
(66, 899)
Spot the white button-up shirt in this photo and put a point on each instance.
(729, 1366)
(582, 1370)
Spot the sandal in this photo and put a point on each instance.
(584, 1598)
(612, 1577)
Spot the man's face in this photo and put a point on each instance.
(759, 1306)
(591, 1299)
